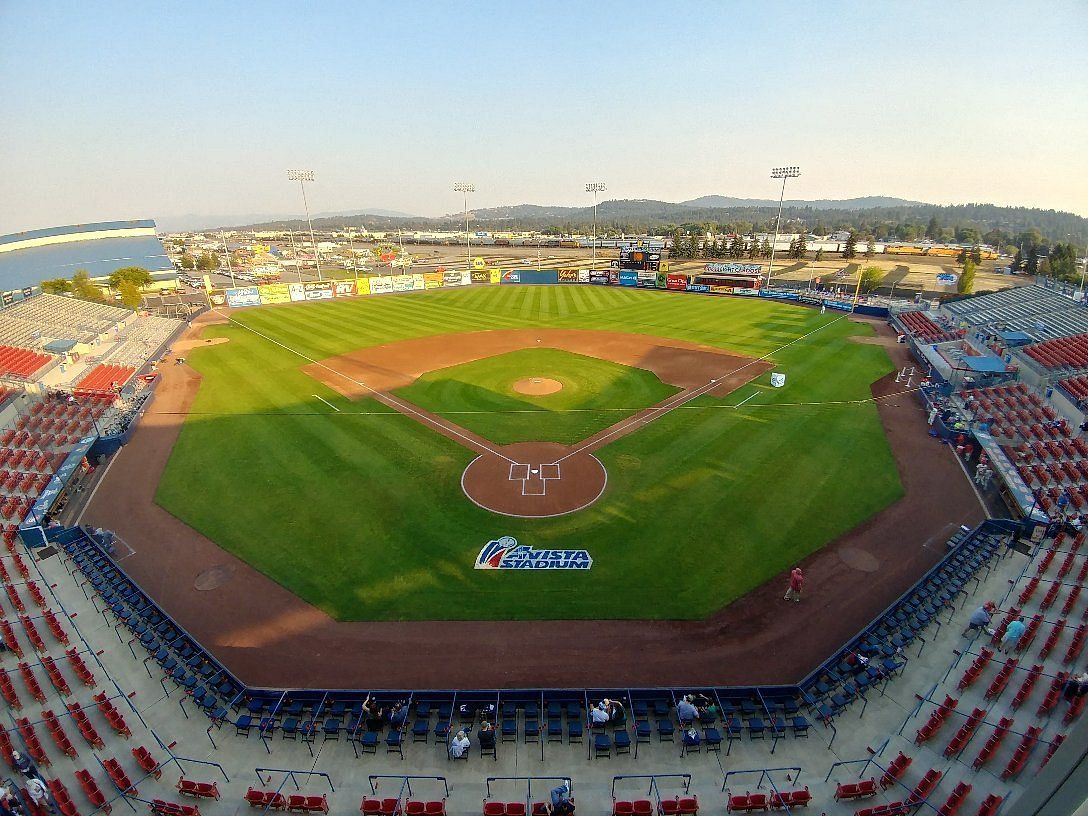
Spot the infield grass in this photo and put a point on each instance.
(361, 512)
(480, 395)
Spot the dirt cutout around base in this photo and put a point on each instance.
(537, 387)
(534, 480)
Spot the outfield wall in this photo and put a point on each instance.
(424, 281)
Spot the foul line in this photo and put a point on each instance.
(750, 396)
(326, 402)
(388, 398)
(685, 396)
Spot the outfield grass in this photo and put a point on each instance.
(361, 512)
(479, 395)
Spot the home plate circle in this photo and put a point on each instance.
(534, 480)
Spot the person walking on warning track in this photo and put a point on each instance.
(793, 591)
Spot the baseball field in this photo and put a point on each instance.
(328, 444)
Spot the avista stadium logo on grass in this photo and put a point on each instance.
(506, 553)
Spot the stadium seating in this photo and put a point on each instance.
(103, 379)
(21, 363)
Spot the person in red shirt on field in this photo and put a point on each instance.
(797, 580)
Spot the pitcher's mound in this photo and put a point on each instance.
(534, 480)
(537, 386)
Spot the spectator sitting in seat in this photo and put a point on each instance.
(616, 713)
(398, 716)
(38, 794)
(9, 805)
(559, 802)
(23, 765)
(686, 711)
(1076, 686)
(459, 745)
(598, 715)
(487, 736)
(704, 705)
(373, 714)
(980, 619)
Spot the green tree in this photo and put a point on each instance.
(976, 254)
(870, 248)
(207, 262)
(1032, 265)
(1063, 262)
(933, 228)
(966, 284)
(765, 248)
(693, 244)
(753, 249)
(962, 257)
(819, 254)
(851, 249)
(57, 286)
(130, 293)
(136, 275)
(187, 261)
(871, 278)
(677, 250)
(84, 288)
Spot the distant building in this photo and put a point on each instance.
(27, 258)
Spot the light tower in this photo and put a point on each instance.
(466, 188)
(782, 173)
(302, 176)
(595, 187)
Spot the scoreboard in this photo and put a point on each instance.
(642, 260)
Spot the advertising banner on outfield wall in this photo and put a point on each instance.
(546, 276)
(628, 277)
(744, 291)
(362, 286)
(244, 296)
(381, 284)
(403, 283)
(661, 282)
(496, 276)
(418, 282)
(511, 276)
(676, 281)
(297, 291)
(275, 293)
(567, 276)
(583, 276)
(481, 276)
(698, 287)
(646, 278)
(453, 278)
(599, 276)
(343, 288)
(432, 280)
(318, 290)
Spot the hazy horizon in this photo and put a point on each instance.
(116, 112)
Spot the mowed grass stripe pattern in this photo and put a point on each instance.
(361, 511)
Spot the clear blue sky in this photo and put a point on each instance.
(117, 110)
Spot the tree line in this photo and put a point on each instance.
(128, 282)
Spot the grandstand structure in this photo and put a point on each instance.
(59, 252)
(119, 706)
(55, 342)
(1013, 366)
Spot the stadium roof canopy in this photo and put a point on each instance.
(27, 258)
(987, 365)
